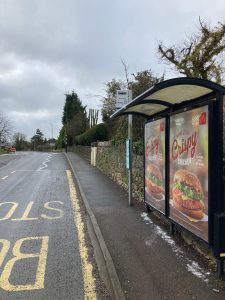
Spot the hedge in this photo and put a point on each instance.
(96, 133)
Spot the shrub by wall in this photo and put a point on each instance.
(96, 133)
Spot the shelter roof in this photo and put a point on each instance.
(169, 94)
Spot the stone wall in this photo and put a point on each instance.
(83, 151)
(111, 160)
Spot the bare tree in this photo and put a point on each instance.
(201, 55)
(19, 141)
(109, 102)
(5, 129)
(126, 67)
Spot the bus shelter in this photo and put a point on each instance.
(184, 141)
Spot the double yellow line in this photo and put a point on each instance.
(89, 280)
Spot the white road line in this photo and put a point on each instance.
(13, 172)
(25, 170)
(3, 178)
(45, 163)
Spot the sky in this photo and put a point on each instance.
(51, 47)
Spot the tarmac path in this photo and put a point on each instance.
(43, 252)
(151, 264)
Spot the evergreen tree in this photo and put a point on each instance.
(74, 119)
(37, 139)
(61, 138)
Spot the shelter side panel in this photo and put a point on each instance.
(189, 170)
(155, 164)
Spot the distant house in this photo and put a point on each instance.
(52, 142)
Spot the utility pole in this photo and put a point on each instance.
(52, 135)
(130, 179)
(123, 97)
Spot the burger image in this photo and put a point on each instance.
(154, 180)
(188, 194)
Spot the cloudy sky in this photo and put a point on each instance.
(50, 47)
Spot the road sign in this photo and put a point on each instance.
(128, 154)
(123, 97)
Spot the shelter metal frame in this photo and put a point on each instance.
(178, 95)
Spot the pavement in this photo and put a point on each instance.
(142, 260)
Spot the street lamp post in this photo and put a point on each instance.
(52, 136)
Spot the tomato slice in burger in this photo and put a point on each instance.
(176, 192)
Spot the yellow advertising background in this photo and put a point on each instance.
(189, 151)
(155, 155)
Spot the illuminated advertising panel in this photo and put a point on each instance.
(224, 149)
(189, 170)
(155, 164)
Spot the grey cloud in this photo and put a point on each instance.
(50, 47)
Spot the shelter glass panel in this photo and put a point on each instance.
(189, 170)
(155, 164)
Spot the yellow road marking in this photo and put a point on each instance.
(25, 216)
(5, 249)
(89, 280)
(18, 256)
(11, 211)
(47, 206)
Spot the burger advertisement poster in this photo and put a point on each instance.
(189, 170)
(155, 164)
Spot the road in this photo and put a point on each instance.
(44, 253)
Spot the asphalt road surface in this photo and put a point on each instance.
(43, 247)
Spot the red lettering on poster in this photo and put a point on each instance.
(202, 118)
(152, 147)
(162, 126)
(187, 146)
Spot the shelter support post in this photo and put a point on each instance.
(220, 267)
(130, 167)
(172, 228)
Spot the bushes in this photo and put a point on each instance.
(94, 134)
(138, 147)
(2, 150)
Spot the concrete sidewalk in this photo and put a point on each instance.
(149, 263)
